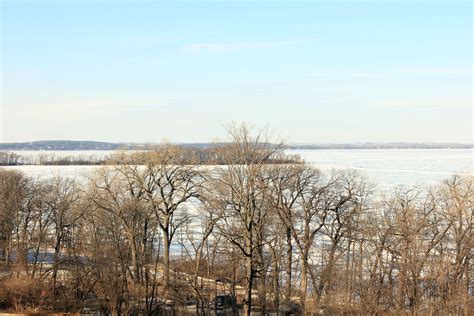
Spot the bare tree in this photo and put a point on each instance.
(289, 191)
(13, 187)
(198, 230)
(61, 200)
(168, 187)
(240, 188)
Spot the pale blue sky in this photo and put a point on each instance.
(313, 71)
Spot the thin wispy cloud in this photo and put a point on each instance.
(439, 104)
(395, 71)
(220, 47)
(433, 70)
(352, 75)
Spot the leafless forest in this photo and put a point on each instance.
(166, 236)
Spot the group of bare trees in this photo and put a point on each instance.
(9, 158)
(165, 234)
(207, 154)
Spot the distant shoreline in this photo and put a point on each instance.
(381, 147)
(62, 145)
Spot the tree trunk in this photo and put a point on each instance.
(276, 285)
(304, 281)
(289, 264)
(262, 293)
(166, 259)
(57, 248)
(248, 292)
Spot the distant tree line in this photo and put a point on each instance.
(396, 145)
(186, 155)
(167, 236)
(61, 145)
(48, 159)
(57, 145)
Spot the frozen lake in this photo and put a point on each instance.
(384, 167)
(395, 167)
